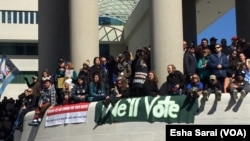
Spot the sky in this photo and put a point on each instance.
(224, 27)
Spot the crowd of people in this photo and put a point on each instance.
(208, 68)
(217, 68)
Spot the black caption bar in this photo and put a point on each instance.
(218, 132)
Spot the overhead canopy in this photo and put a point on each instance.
(117, 9)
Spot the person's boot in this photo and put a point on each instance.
(20, 128)
(205, 96)
(218, 95)
(235, 92)
(242, 94)
(106, 103)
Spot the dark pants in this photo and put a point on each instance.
(221, 81)
(39, 111)
(22, 114)
(59, 97)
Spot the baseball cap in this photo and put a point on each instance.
(241, 73)
(212, 77)
(34, 77)
(234, 38)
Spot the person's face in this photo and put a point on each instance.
(97, 61)
(204, 53)
(127, 56)
(26, 92)
(191, 49)
(150, 76)
(194, 78)
(66, 66)
(84, 67)
(170, 69)
(224, 42)
(242, 57)
(45, 74)
(29, 91)
(119, 83)
(240, 78)
(184, 45)
(96, 78)
(204, 43)
(103, 61)
(66, 85)
(62, 65)
(212, 81)
(80, 81)
(35, 79)
(234, 54)
(47, 84)
(213, 42)
(218, 48)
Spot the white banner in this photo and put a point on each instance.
(74, 113)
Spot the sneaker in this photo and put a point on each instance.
(106, 103)
(243, 94)
(39, 120)
(235, 92)
(20, 128)
(34, 122)
(218, 96)
(205, 95)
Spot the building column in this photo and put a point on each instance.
(53, 33)
(189, 20)
(243, 18)
(84, 33)
(167, 36)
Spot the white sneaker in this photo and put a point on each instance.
(243, 94)
(235, 92)
(39, 120)
(34, 122)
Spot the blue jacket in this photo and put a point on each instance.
(214, 60)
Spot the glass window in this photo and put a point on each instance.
(20, 17)
(26, 17)
(31, 17)
(109, 21)
(14, 17)
(37, 17)
(19, 48)
(3, 16)
(9, 16)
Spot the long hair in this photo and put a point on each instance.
(99, 83)
(155, 76)
(173, 67)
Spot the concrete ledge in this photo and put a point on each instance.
(225, 111)
(29, 133)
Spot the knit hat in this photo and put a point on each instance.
(87, 62)
(70, 82)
